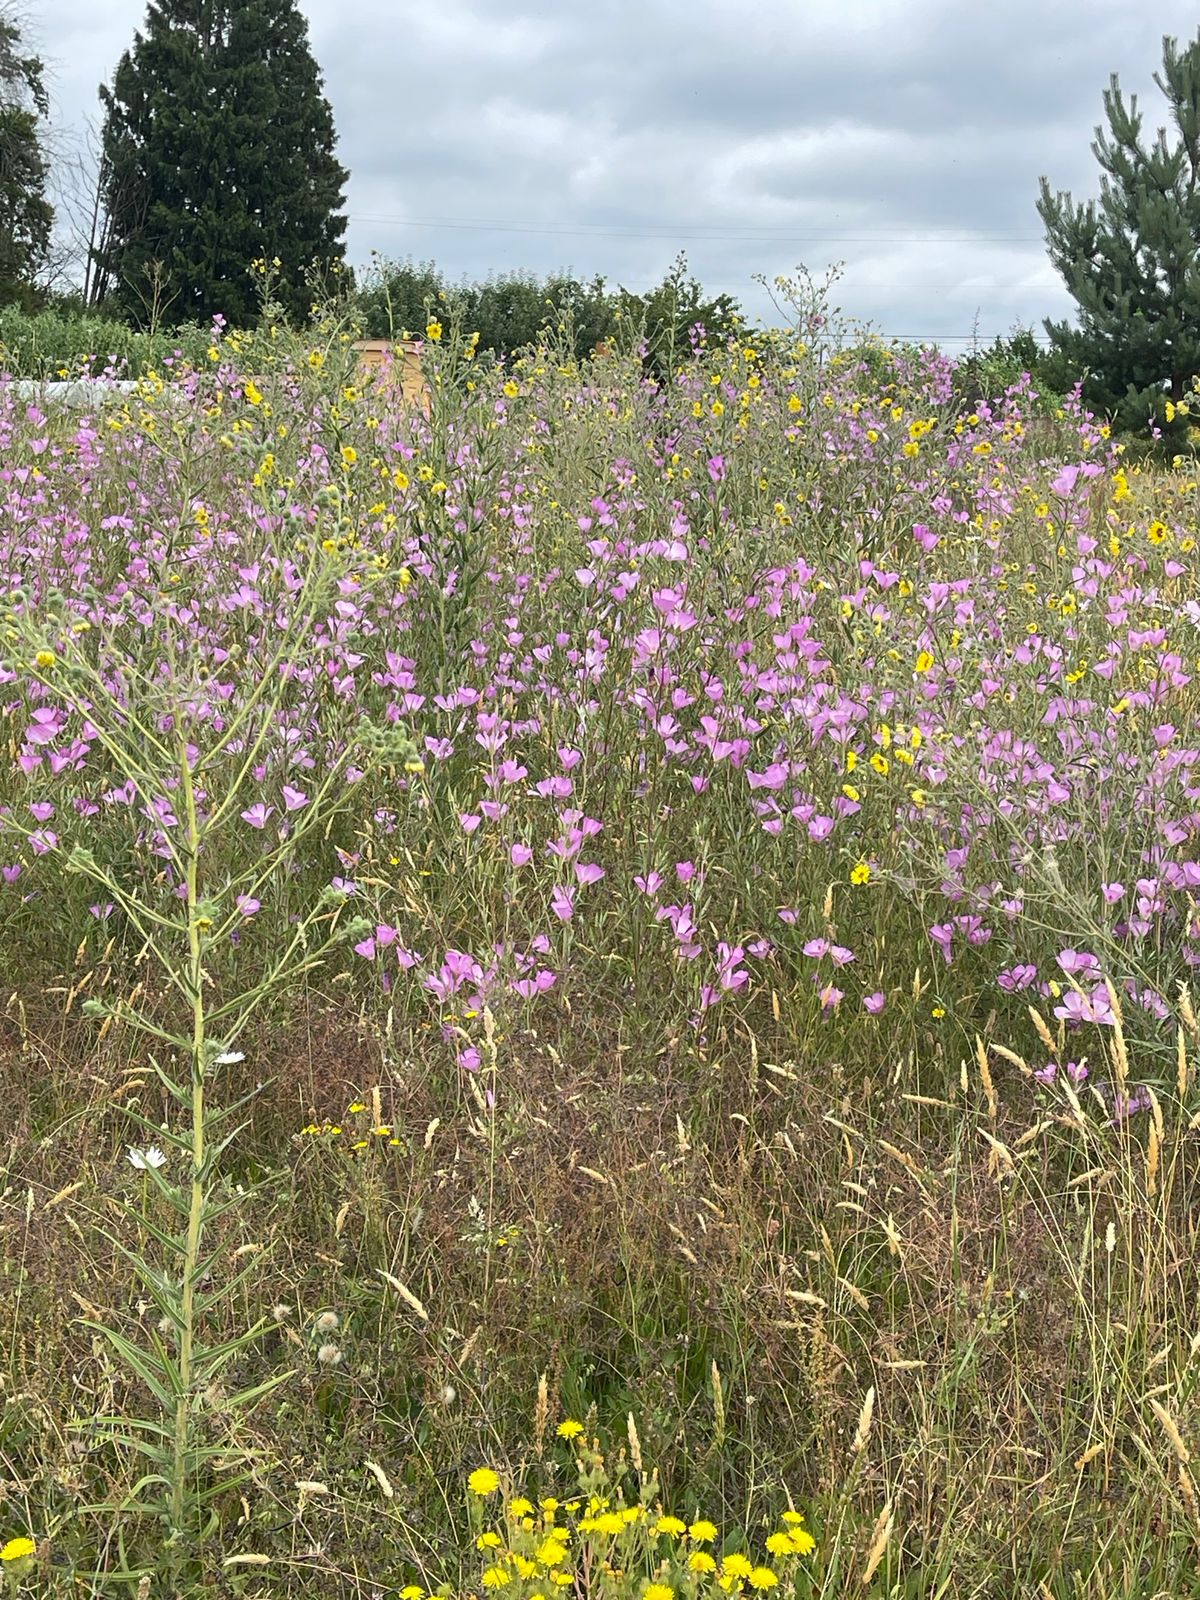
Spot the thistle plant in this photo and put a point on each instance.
(189, 782)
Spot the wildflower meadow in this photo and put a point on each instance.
(598, 981)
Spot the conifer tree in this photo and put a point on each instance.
(26, 216)
(218, 149)
(1129, 259)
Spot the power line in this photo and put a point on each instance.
(596, 231)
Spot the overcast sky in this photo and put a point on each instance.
(903, 138)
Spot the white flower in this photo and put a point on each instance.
(143, 1160)
(229, 1058)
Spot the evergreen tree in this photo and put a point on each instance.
(218, 149)
(26, 216)
(1130, 259)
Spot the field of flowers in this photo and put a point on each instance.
(694, 892)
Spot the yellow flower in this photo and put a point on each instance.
(570, 1429)
(762, 1578)
(880, 763)
(18, 1550)
(489, 1541)
(703, 1532)
(44, 660)
(496, 1577)
(412, 1591)
(658, 1591)
(779, 1544)
(860, 873)
(349, 454)
(483, 1481)
(550, 1553)
(792, 1519)
(610, 1522)
(671, 1525)
(803, 1542)
(795, 404)
(851, 792)
(511, 389)
(736, 1566)
(701, 1561)
(400, 479)
(924, 661)
(433, 330)
(520, 1507)
(252, 392)
(357, 1107)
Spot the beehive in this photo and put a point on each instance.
(392, 362)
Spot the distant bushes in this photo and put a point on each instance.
(64, 342)
(988, 372)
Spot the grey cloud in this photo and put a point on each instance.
(905, 139)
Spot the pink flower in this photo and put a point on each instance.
(588, 872)
(873, 1004)
(258, 815)
(520, 855)
(562, 902)
(294, 799)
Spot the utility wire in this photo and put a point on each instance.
(596, 231)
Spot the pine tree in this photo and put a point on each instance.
(1130, 259)
(218, 149)
(26, 216)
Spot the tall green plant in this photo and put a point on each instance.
(149, 727)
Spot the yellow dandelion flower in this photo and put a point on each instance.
(762, 1578)
(496, 1577)
(520, 1507)
(736, 1566)
(483, 1481)
(658, 1591)
(803, 1542)
(18, 1550)
(670, 1525)
(489, 1541)
(779, 1544)
(570, 1429)
(701, 1561)
(703, 1532)
(550, 1553)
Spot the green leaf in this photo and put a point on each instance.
(142, 1364)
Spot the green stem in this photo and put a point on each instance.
(183, 1403)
